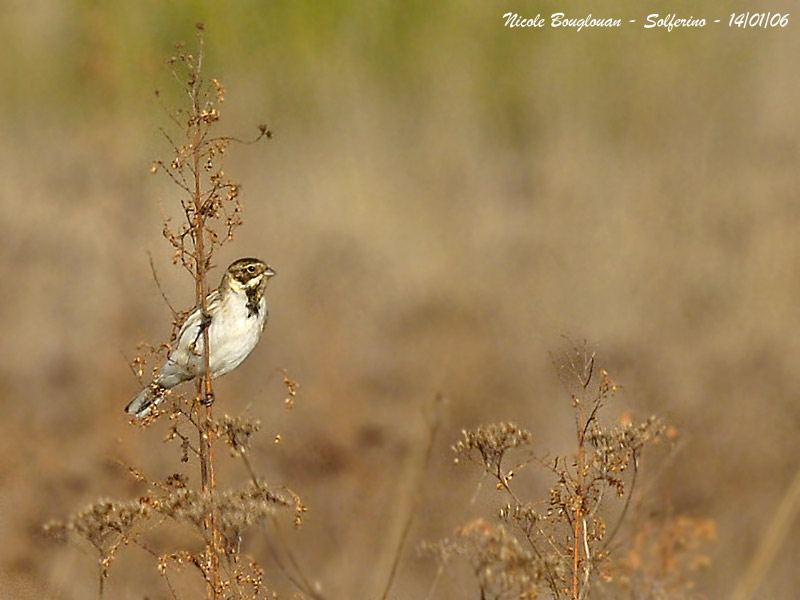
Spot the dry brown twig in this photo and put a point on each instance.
(417, 485)
(558, 547)
(212, 212)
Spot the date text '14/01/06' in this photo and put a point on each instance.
(668, 22)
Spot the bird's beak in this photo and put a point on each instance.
(270, 272)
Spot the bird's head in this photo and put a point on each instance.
(247, 274)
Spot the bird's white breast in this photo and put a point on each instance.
(234, 332)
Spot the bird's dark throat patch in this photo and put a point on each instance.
(253, 298)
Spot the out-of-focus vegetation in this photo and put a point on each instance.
(443, 199)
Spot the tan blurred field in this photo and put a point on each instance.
(444, 198)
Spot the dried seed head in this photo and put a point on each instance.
(237, 432)
(488, 444)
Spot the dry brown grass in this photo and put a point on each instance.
(438, 222)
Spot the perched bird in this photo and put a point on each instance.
(235, 316)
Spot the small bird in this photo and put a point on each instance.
(236, 313)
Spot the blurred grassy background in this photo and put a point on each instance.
(443, 199)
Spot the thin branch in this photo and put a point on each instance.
(439, 571)
(170, 114)
(301, 582)
(158, 285)
(597, 503)
(587, 563)
(518, 502)
(175, 148)
(170, 587)
(301, 585)
(263, 132)
(579, 497)
(598, 403)
(588, 378)
(624, 512)
(309, 589)
(432, 431)
(773, 537)
(185, 442)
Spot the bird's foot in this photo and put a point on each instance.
(207, 399)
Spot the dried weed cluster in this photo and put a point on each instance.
(211, 198)
(562, 546)
(109, 525)
(215, 517)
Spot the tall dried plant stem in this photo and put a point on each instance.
(576, 547)
(779, 528)
(582, 422)
(204, 391)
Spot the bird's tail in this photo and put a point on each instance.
(145, 401)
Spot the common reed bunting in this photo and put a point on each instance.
(236, 313)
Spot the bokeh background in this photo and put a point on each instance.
(444, 199)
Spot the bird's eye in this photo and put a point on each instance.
(251, 269)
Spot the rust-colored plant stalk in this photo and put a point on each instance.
(212, 211)
(212, 201)
(205, 391)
